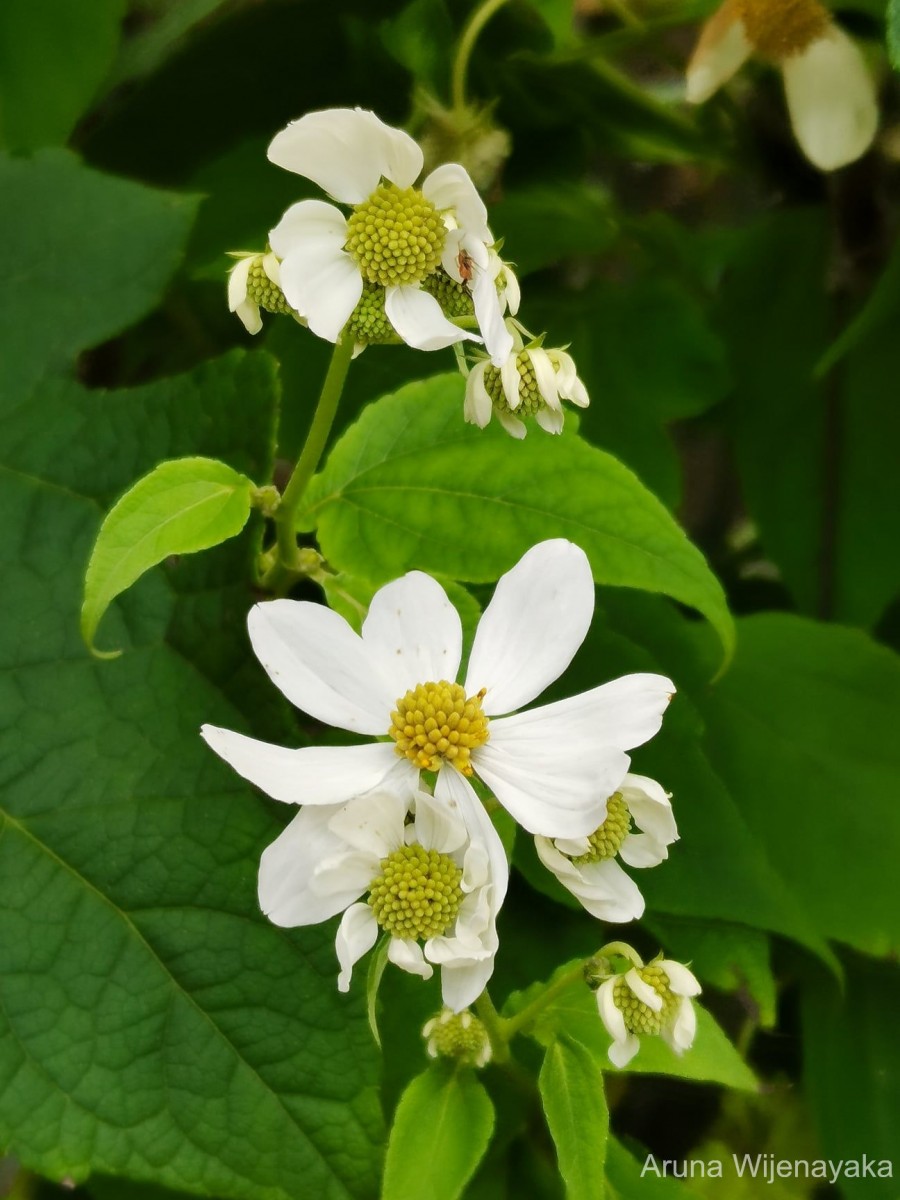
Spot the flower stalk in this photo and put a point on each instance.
(467, 41)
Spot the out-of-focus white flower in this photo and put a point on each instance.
(551, 767)
(587, 866)
(433, 874)
(830, 93)
(460, 1036)
(531, 382)
(254, 283)
(395, 237)
(652, 999)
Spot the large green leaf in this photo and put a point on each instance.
(851, 1053)
(54, 55)
(410, 485)
(571, 1085)
(441, 1130)
(803, 731)
(573, 1013)
(153, 1024)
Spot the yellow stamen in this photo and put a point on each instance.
(436, 723)
(779, 29)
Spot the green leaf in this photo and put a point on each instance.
(571, 1085)
(851, 1053)
(180, 1037)
(803, 731)
(627, 1178)
(54, 55)
(442, 1128)
(180, 507)
(543, 224)
(410, 485)
(573, 1014)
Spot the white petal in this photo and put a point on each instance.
(272, 268)
(603, 888)
(454, 790)
(681, 1037)
(621, 1053)
(537, 618)
(651, 809)
(238, 277)
(624, 713)
(248, 312)
(540, 788)
(549, 420)
(682, 981)
(309, 225)
(356, 935)
(321, 665)
(286, 868)
(513, 426)
(438, 826)
(512, 295)
(461, 985)
(373, 823)
(413, 632)
(408, 955)
(323, 284)
(642, 850)
(721, 52)
(545, 376)
(498, 341)
(347, 874)
(644, 992)
(449, 187)
(312, 775)
(609, 1014)
(478, 406)
(346, 152)
(832, 100)
(573, 847)
(418, 319)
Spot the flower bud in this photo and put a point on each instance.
(460, 1036)
(649, 1000)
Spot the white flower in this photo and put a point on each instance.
(254, 283)
(460, 1036)
(830, 93)
(530, 382)
(648, 1000)
(446, 865)
(395, 237)
(551, 767)
(587, 866)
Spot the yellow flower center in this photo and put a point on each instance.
(395, 237)
(436, 723)
(779, 29)
(417, 894)
(640, 1017)
(262, 291)
(607, 840)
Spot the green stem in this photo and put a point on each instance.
(525, 1017)
(495, 1025)
(469, 37)
(310, 456)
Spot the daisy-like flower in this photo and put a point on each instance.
(651, 999)
(830, 93)
(395, 237)
(430, 871)
(254, 283)
(551, 768)
(587, 866)
(531, 382)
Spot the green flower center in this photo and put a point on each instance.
(396, 236)
(368, 323)
(262, 291)
(640, 1017)
(607, 840)
(458, 1035)
(530, 399)
(453, 297)
(779, 29)
(436, 723)
(417, 894)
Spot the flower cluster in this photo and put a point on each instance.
(392, 832)
(647, 1000)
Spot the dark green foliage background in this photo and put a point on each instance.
(734, 316)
